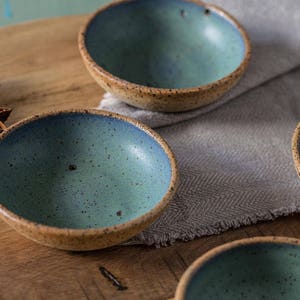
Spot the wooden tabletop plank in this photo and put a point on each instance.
(41, 70)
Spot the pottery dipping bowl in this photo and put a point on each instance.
(254, 268)
(83, 179)
(296, 149)
(164, 55)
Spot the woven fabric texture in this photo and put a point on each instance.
(235, 160)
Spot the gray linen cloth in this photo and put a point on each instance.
(273, 27)
(235, 161)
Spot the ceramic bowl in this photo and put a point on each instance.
(296, 149)
(83, 179)
(164, 55)
(254, 268)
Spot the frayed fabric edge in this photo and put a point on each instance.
(169, 239)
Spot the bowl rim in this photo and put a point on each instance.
(163, 91)
(295, 149)
(212, 253)
(88, 232)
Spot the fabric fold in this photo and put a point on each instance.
(272, 28)
(235, 165)
(235, 162)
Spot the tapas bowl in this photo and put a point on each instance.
(164, 55)
(295, 149)
(83, 179)
(254, 268)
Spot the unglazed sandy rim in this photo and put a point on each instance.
(154, 212)
(211, 254)
(295, 149)
(166, 91)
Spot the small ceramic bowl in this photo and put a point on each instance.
(83, 179)
(164, 55)
(254, 268)
(296, 149)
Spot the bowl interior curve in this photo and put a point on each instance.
(255, 271)
(77, 170)
(164, 43)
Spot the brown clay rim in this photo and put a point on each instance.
(155, 211)
(196, 265)
(122, 82)
(295, 150)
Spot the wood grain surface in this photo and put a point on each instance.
(41, 70)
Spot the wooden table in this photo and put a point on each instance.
(41, 70)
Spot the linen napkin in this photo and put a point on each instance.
(235, 164)
(273, 27)
(235, 160)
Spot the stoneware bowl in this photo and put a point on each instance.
(254, 268)
(164, 55)
(83, 179)
(296, 148)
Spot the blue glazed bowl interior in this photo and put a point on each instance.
(77, 170)
(258, 271)
(164, 43)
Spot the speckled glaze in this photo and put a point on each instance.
(83, 179)
(254, 268)
(164, 55)
(296, 148)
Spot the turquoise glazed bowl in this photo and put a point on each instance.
(166, 55)
(83, 179)
(254, 268)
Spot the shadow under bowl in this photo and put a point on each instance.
(83, 179)
(254, 268)
(164, 55)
